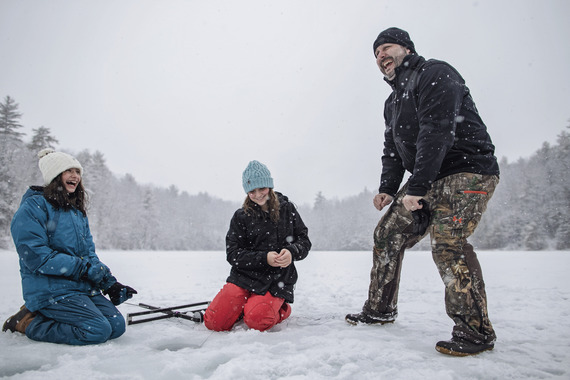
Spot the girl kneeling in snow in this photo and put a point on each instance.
(265, 238)
(62, 277)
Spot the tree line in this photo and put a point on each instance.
(529, 211)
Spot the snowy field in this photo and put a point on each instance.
(528, 294)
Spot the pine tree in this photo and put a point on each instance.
(535, 237)
(41, 139)
(148, 221)
(10, 163)
(563, 236)
(10, 121)
(562, 157)
(100, 185)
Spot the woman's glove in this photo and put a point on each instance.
(119, 293)
(95, 271)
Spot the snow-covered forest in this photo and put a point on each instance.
(529, 211)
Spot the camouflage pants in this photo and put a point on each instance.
(457, 203)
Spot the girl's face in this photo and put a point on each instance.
(259, 196)
(71, 178)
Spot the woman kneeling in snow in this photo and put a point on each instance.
(265, 237)
(62, 276)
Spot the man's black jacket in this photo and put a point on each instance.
(433, 128)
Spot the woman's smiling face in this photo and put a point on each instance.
(71, 178)
(259, 196)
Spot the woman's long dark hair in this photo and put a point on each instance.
(59, 198)
(272, 203)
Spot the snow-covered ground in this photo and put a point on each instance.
(528, 295)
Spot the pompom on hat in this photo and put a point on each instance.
(394, 36)
(256, 176)
(54, 163)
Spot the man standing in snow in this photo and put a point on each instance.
(434, 131)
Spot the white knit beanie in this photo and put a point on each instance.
(54, 163)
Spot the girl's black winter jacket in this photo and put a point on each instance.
(249, 239)
(433, 128)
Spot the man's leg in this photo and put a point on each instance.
(458, 204)
(392, 236)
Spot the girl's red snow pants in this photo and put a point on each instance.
(260, 312)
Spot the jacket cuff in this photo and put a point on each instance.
(416, 191)
(107, 282)
(293, 249)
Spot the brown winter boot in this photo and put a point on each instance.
(19, 321)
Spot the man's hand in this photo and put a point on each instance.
(382, 200)
(422, 218)
(412, 202)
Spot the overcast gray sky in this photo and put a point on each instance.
(188, 92)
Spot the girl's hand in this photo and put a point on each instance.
(282, 259)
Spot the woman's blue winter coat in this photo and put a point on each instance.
(53, 246)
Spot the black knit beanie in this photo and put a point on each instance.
(394, 36)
